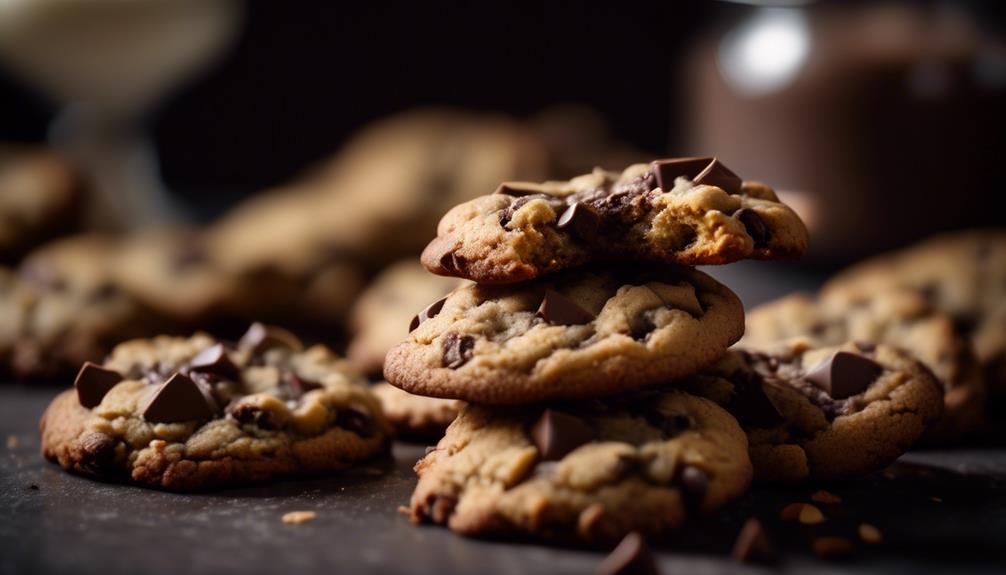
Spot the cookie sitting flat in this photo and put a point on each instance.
(588, 472)
(827, 413)
(416, 417)
(690, 211)
(579, 334)
(189, 413)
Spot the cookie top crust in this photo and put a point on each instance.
(690, 211)
(586, 472)
(823, 413)
(579, 334)
(192, 413)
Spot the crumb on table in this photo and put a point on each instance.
(12, 442)
(298, 517)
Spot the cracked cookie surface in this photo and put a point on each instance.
(187, 414)
(578, 334)
(588, 472)
(645, 213)
(879, 402)
(416, 417)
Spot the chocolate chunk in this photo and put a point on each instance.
(581, 220)
(694, 482)
(518, 189)
(641, 326)
(429, 312)
(631, 557)
(755, 226)
(753, 544)
(750, 404)
(844, 374)
(636, 186)
(214, 360)
(356, 421)
(519, 203)
(261, 338)
(558, 309)
(451, 262)
(97, 453)
(457, 350)
(716, 174)
(180, 399)
(666, 171)
(248, 414)
(556, 434)
(93, 382)
(295, 385)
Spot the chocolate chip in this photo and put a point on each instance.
(93, 382)
(636, 186)
(261, 338)
(519, 203)
(753, 544)
(632, 556)
(581, 220)
(556, 434)
(356, 421)
(716, 174)
(666, 171)
(451, 262)
(625, 465)
(429, 312)
(180, 399)
(97, 453)
(248, 414)
(750, 404)
(518, 189)
(641, 326)
(457, 350)
(694, 482)
(844, 374)
(295, 385)
(558, 309)
(754, 225)
(214, 360)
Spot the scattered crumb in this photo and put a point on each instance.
(937, 499)
(403, 510)
(12, 442)
(298, 517)
(823, 496)
(870, 534)
(832, 547)
(802, 512)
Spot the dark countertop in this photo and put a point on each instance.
(51, 521)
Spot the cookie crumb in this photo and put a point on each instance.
(870, 534)
(824, 496)
(298, 517)
(12, 442)
(802, 512)
(832, 547)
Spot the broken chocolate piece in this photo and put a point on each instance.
(214, 360)
(753, 544)
(581, 220)
(751, 405)
(694, 482)
(179, 399)
(754, 225)
(558, 309)
(716, 174)
(261, 338)
(457, 350)
(97, 451)
(93, 382)
(518, 189)
(429, 312)
(631, 556)
(844, 374)
(356, 421)
(248, 414)
(556, 434)
(666, 171)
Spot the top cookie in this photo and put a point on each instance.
(690, 211)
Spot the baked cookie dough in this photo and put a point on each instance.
(587, 472)
(192, 413)
(416, 417)
(824, 413)
(691, 211)
(578, 334)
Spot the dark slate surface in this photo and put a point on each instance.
(53, 522)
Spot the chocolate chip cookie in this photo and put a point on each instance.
(961, 273)
(15, 305)
(587, 472)
(416, 417)
(192, 413)
(690, 211)
(582, 333)
(900, 318)
(823, 413)
(380, 317)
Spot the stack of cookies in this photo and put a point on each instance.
(601, 394)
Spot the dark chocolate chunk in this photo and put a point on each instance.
(180, 399)
(214, 360)
(750, 404)
(641, 326)
(295, 385)
(556, 434)
(754, 225)
(93, 382)
(631, 557)
(429, 312)
(753, 544)
(694, 482)
(356, 421)
(518, 189)
(666, 171)
(558, 309)
(844, 374)
(97, 453)
(581, 220)
(457, 350)
(248, 414)
(636, 186)
(716, 174)
(260, 338)
(451, 262)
